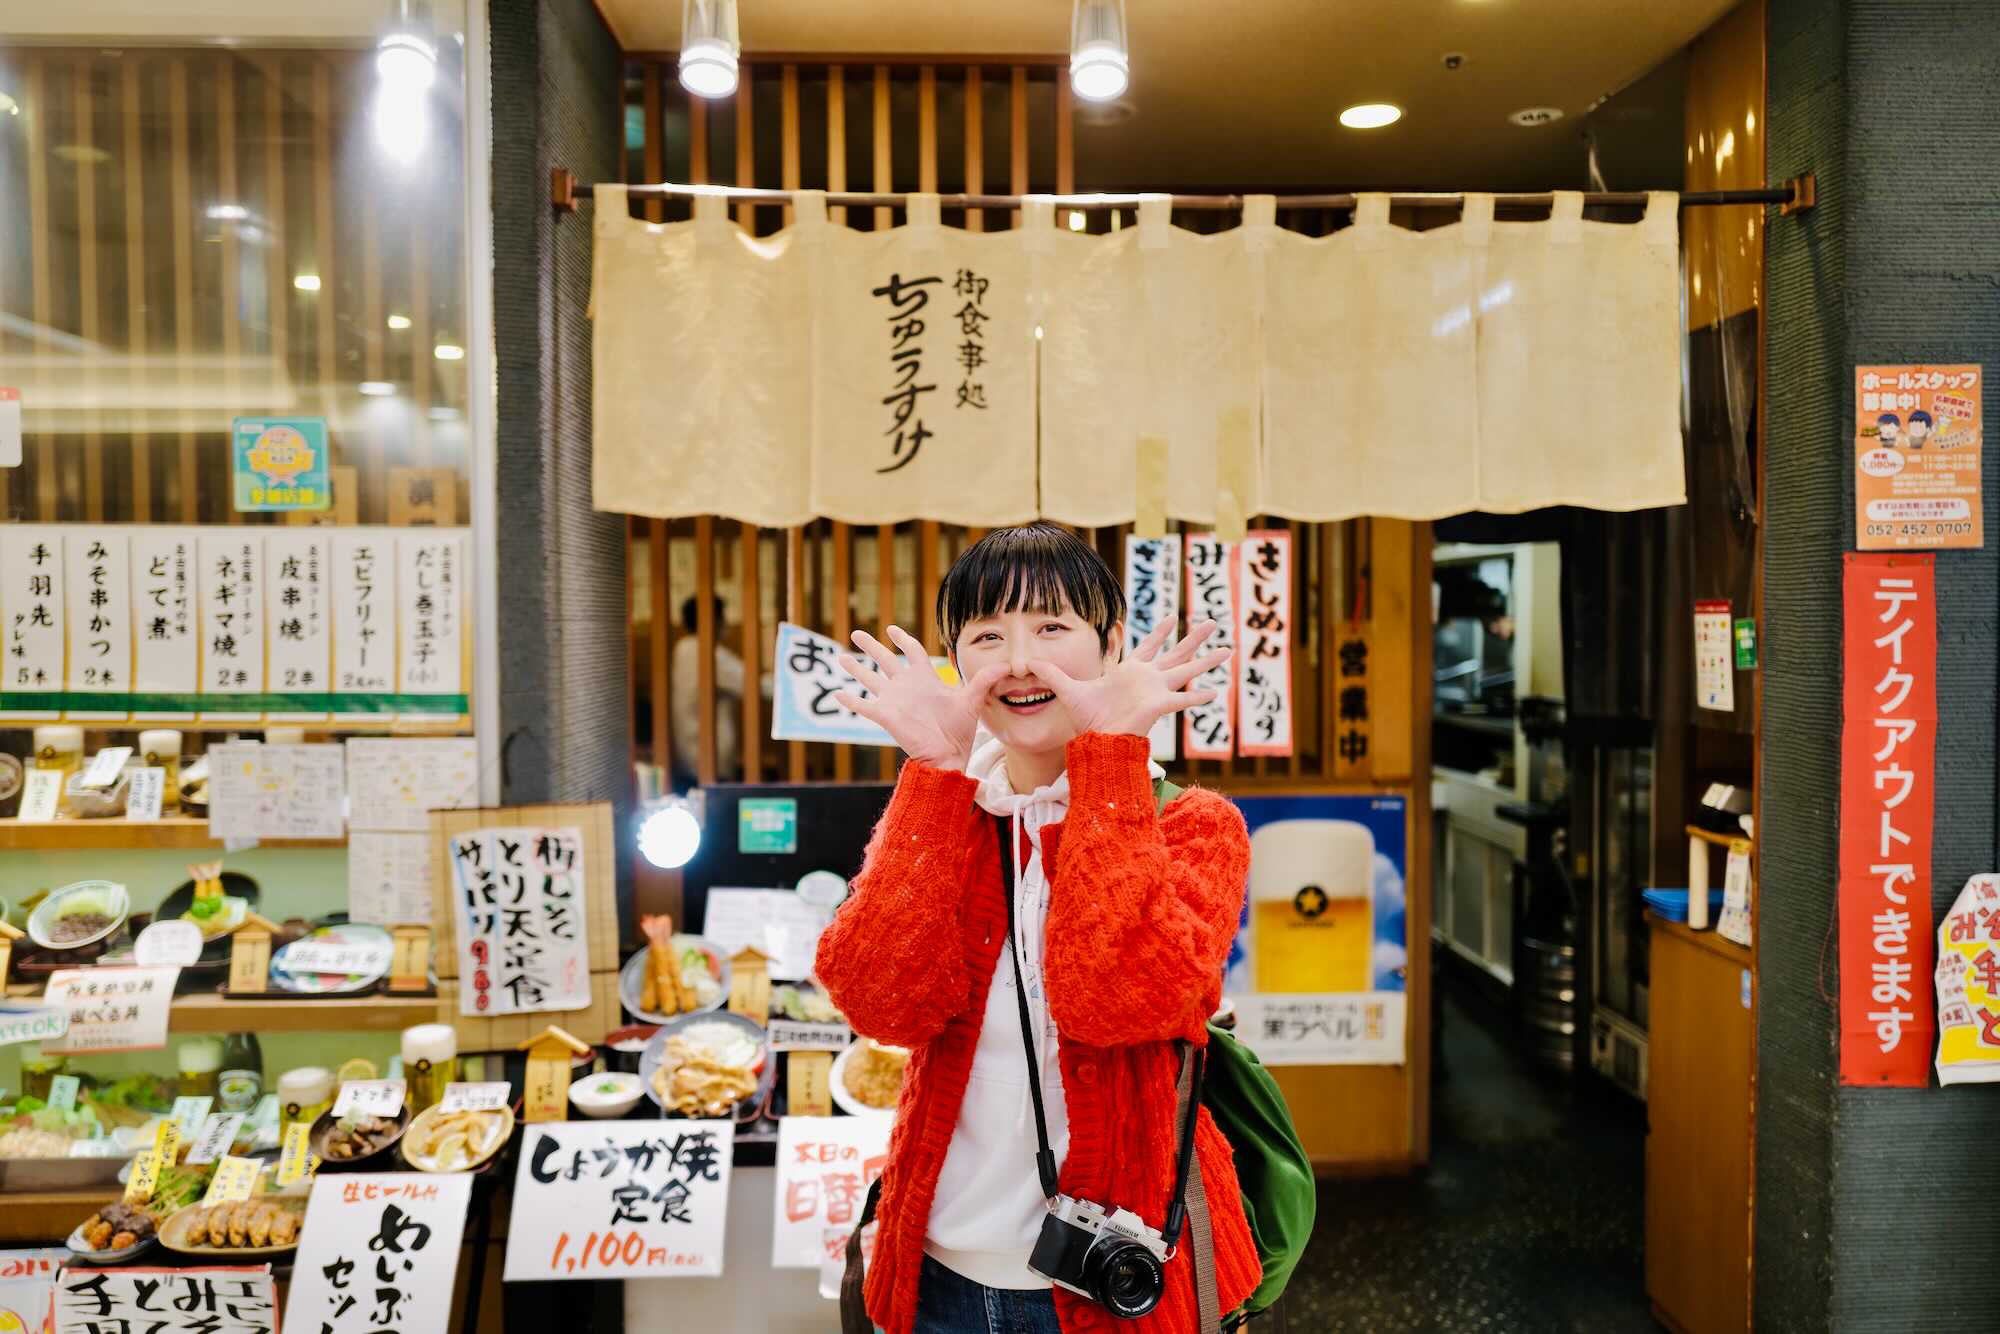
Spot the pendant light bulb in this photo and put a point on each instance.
(709, 47)
(1100, 61)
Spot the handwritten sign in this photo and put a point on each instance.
(113, 1009)
(809, 1083)
(249, 960)
(145, 1177)
(171, 943)
(234, 1300)
(1153, 598)
(807, 678)
(235, 1179)
(388, 877)
(794, 1035)
(31, 590)
(164, 623)
(825, 1166)
(395, 782)
(295, 1156)
(379, 1252)
(105, 766)
(189, 1113)
(521, 937)
(1209, 730)
(429, 584)
(231, 584)
(146, 795)
(1346, 1028)
(218, 1132)
(1264, 644)
(370, 1097)
(261, 791)
(99, 588)
(41, 795)
(301, 623)
(621, 1199)
(489, 1096)
(343, 957)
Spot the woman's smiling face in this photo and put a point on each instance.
(1021, 711)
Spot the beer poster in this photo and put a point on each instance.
(1917, 447)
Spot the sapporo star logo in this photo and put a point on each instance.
(1310, 902)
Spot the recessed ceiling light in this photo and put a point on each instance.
(1530, 117)
(399, 321)
(377, 388)
(1371, 115)
(306, 282)
(1077, 221)
(448, 352)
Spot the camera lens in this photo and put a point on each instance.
(1125, 1277)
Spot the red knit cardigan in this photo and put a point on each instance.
(1142, 909)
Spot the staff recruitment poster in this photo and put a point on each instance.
(1918, 439)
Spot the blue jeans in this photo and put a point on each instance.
(949, 1303)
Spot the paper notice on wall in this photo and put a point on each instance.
(1918, 447)
(364, 615)
(1209, 732)
(300, 616)
(1967, 978)
(31, 601)
(521, 931)
(1153, 597)
(1264, 644)
(231, 581)
(395, 782)
(776, 921)
(430, 574)
(257, 791)
(825, 1166)
(98, 561)
(165, 622)
(1714, 657)
(621, 1199)
(389, 878)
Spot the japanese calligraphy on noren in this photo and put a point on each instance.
(1888, 783)
(522, 937)
(31, 600)
(825, 1166)
(301, 615)
(620, 1199)
(906, 300)
(379, 1253)
(99, 563)
(166, 1301)
(164, 624)
(1153, 596)
(1209, 732)
(1264, 644)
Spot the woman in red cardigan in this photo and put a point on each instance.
(1122, 919)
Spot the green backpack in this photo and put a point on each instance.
(1272, 1170)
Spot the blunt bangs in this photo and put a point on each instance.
(1037, 567)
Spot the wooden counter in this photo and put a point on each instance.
(1701, 1056)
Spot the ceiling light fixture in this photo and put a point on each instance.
(306, 282)
(405, 69)
(709, 47)
(1371, 115)
(1530, 117)
(1100, 61)
(377, 388)
(448, 352)
(228, 212)
(399, 321)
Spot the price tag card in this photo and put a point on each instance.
(653, 1206)
(319, 956)
(218, 1132)
(112, 1009)
(145, 1178)
(39, 797)
(411, 968)
(295, 1158)
(235, 1179)
(545, 1089)
(483, 1097)
(189, 1113)
(168, 1140)
(809, 1083)
(370, 1097)
(405, 1225)
(171, 943)
(146, 795)
(105, 766)
(62, 1092)
(791, 1035)
(249, 960)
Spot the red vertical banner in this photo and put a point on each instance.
(1888, 790)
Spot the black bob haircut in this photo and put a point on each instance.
(1041, 567)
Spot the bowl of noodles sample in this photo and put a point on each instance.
(868, 1078)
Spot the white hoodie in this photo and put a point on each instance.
(988, 1209)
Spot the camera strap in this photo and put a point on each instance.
(1188, 1084)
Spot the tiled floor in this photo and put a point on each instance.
(1530, 1217)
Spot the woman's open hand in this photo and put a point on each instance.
(1147, 686)
(933, 722)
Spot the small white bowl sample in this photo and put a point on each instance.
(607, 1095)
(102, 897)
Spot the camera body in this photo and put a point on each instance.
(1107, 1255)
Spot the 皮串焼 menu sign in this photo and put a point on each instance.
(522, 936)
(1918, 446)
(620, 1199)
